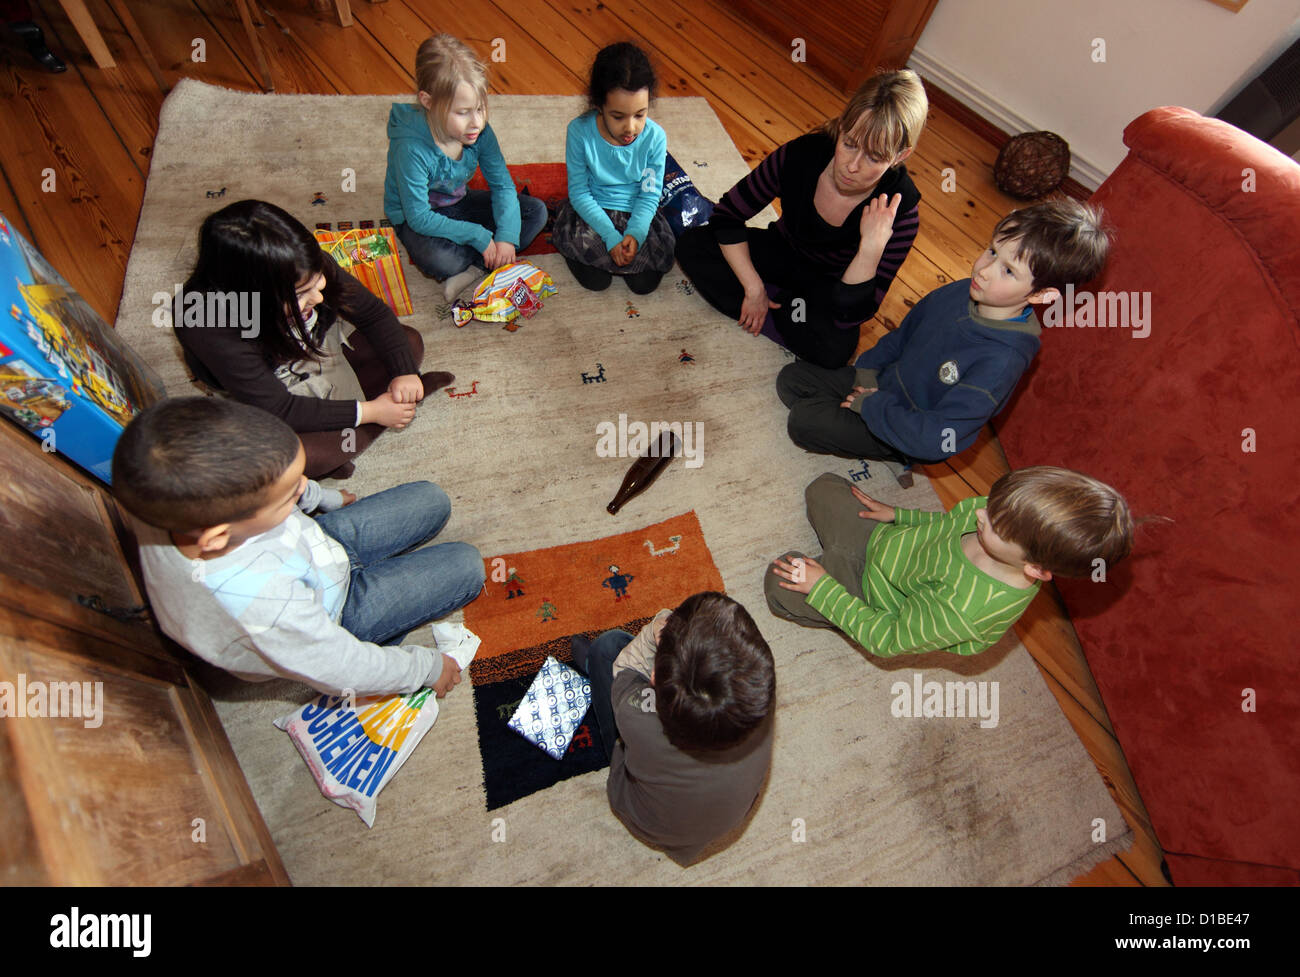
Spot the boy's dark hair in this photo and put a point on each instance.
(256, 247)
(622, 65)
(1064, 241)
(715, 680)
(1062, 519)
(192, 462)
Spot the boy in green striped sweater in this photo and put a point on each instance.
(903, 581)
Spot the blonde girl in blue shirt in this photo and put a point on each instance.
(434, 148)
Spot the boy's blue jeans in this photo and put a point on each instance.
(393, 591)
(595, 659)
(441, 258)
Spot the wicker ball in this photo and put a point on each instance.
(1032, 165)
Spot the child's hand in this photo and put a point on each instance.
(386, 411)
(874, 510)
(877, 224)
(753, 311)
(623, 252)
(348, 497)
(450, 677)
(505, 253)
(802, 573)
(854, 394)
(406, 389)
(492, 256)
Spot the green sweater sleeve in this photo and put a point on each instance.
(913, 517)
(924, 622)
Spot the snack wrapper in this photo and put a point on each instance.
(511, 291)
(553, 708)
(681, 204)
(353, 747)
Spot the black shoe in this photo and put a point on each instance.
(436, 380)
(592, 279)
(32, 36)
(581, 648)
(643, 282)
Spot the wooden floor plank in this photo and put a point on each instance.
(10, 207)
(172, 27)
(748, 44)
(128, 98)
(89, 218)
(352, 60)
(572, 50)
(295, 68)
(764, 77)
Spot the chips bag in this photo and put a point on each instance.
(681, 204)
(506, 294)
(354, 746)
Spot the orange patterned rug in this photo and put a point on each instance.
(535, 600)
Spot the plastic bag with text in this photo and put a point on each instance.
(354, 746)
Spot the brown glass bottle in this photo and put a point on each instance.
(645, 470)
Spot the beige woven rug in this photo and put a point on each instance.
(855, 795)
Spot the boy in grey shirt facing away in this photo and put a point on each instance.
(685, 711)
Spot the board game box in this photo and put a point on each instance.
(65, 375)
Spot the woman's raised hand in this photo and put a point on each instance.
(877, 224)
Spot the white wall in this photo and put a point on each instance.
(1027, 64)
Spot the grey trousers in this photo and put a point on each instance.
(843, 534)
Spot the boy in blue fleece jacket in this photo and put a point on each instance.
(433, 150)
(923, 392)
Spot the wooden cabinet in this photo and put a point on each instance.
(126, 776)
(847, 41)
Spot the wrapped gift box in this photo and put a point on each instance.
(553, 707)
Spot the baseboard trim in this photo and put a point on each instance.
(993, 120)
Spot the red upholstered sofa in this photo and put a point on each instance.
(1207, 220)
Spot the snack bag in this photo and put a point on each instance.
(353, 746)
(552, 709)
(505, 294)
(681, 204)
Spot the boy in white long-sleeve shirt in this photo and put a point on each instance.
(239, 575)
